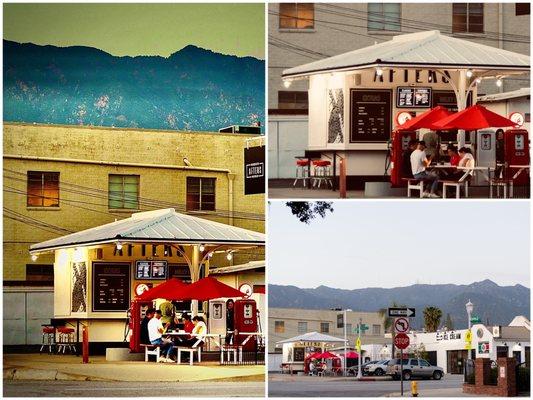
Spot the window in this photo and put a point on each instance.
(384, 17)
(124, 192)
(376, 329)
(200, 194)
(467, 17)
(424, 363)
(414, 362)
(279, 326)
(324, 327)
(522, 9)
(296, 16)
(302, 327)
(40, 273)
(43, 189)
(293, 100)
(348, 328)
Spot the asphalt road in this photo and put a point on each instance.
(131, 389)
(340, 388)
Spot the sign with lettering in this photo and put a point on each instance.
(111, 286)
(370, 115)
(151, 269)
(413, 97)
(448, 335)
(254, 170)
(483, 348)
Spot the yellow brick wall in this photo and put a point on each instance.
(80, 208)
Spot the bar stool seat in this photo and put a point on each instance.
(66, 340)
(322, 173)
(302, 171)
(501, 182)
(49, 333)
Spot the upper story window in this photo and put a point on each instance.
(467, 18)
(293, 100)
(302, 327)
(43, 189)
(124, 192)
(384, 17)
(324, 327)
(200, 194)
(522, 9)
(376, 329)
(279, 326)
(296, 16)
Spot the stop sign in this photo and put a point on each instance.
(401, 341)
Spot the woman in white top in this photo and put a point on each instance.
(467, 159)
(198, 333)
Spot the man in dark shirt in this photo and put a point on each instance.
(406, 159)
(144, 325)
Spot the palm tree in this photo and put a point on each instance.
(432, 316)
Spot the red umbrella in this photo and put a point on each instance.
(172, 289)
(472, 118)
(352, 354)
(316, 354)
(327, 354)
(209, 288)
(426, 119)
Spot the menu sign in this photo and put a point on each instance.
(413, 97)
(111, 286)
(370, 115)
(150, 269)
(447, 98)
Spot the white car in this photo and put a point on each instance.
(378, 368)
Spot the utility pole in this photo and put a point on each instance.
(344, 326)
(359, 328)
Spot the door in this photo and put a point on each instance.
(456, 361)
(426, 368)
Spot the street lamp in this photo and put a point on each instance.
(469, 309)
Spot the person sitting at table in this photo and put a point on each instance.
(198, 334)
(406, 159)
(419, 163)
(454, 155)
(155, 333)
(148, 315)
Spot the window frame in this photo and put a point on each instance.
(200, 194)
(279, 326)
(302, 323)
(284, 16)
(41, 268)
(467, 16)
(322, 325)
(42, 188)
(294, 102)
(374, 329)
(123, 200)
(522, 9)
(380, 17)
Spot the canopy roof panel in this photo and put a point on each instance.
(312, 337)
(164, 226)
(429, 48)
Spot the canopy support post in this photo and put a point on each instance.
(461, 105)
(195, 273)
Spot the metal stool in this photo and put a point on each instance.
(322, 172)
(49, 333)
(66, 340)
(302, 171)
(501, 182)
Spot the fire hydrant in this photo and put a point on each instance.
(414, 388)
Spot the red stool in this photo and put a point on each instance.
(322, 172)
(66, 340)
(49, 334)
(302, 171)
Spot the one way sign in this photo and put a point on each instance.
(401, 312)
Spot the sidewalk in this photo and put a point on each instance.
(68, 367)
(445, 392)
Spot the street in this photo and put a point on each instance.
(315, 386)
(132, 389)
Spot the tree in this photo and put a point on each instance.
(305, 211)
(449, 322)
(432, 316)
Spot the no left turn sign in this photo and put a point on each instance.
(401, 325)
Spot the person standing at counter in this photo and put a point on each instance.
(419, 163)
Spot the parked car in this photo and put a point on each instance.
(413, 368)
(378, 368)
(355, 368)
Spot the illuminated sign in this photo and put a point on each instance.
(413, 97)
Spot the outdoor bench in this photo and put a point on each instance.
(414, 184)
(191, 351)
(151, 350)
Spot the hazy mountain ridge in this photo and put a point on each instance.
(192, 89)
(497, 304)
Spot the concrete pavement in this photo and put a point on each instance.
(67, 367)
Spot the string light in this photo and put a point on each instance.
(287, 83)
(202, 248)
(379, 71)
(499, 82)
(119, 246)
(469, 73)
(34, 257)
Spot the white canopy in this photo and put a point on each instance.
(160, 226)
(311, 337)
(427, 49)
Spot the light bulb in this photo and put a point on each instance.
(229, 256)
(202, 248)
(34, 257)
(469, 73)
(119, 246)
(210, 255)
(478, 80)
(379, 71)
(287, 83)
(499, 83)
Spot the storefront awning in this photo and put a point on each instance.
(160, 226)
(312, 337)
(429, 49)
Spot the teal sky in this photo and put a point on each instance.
(140, 29)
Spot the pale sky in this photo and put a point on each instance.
(390, 244)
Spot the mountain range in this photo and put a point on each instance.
(192, 89)
(493, 304)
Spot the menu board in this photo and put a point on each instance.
(413, 97)
(111, 286)
(370, 115)
(150, 269)
(447, 98)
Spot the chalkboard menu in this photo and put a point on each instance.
(413, 97)
(370, 115)
(111, 286)
(447, 98)
(150, 269)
